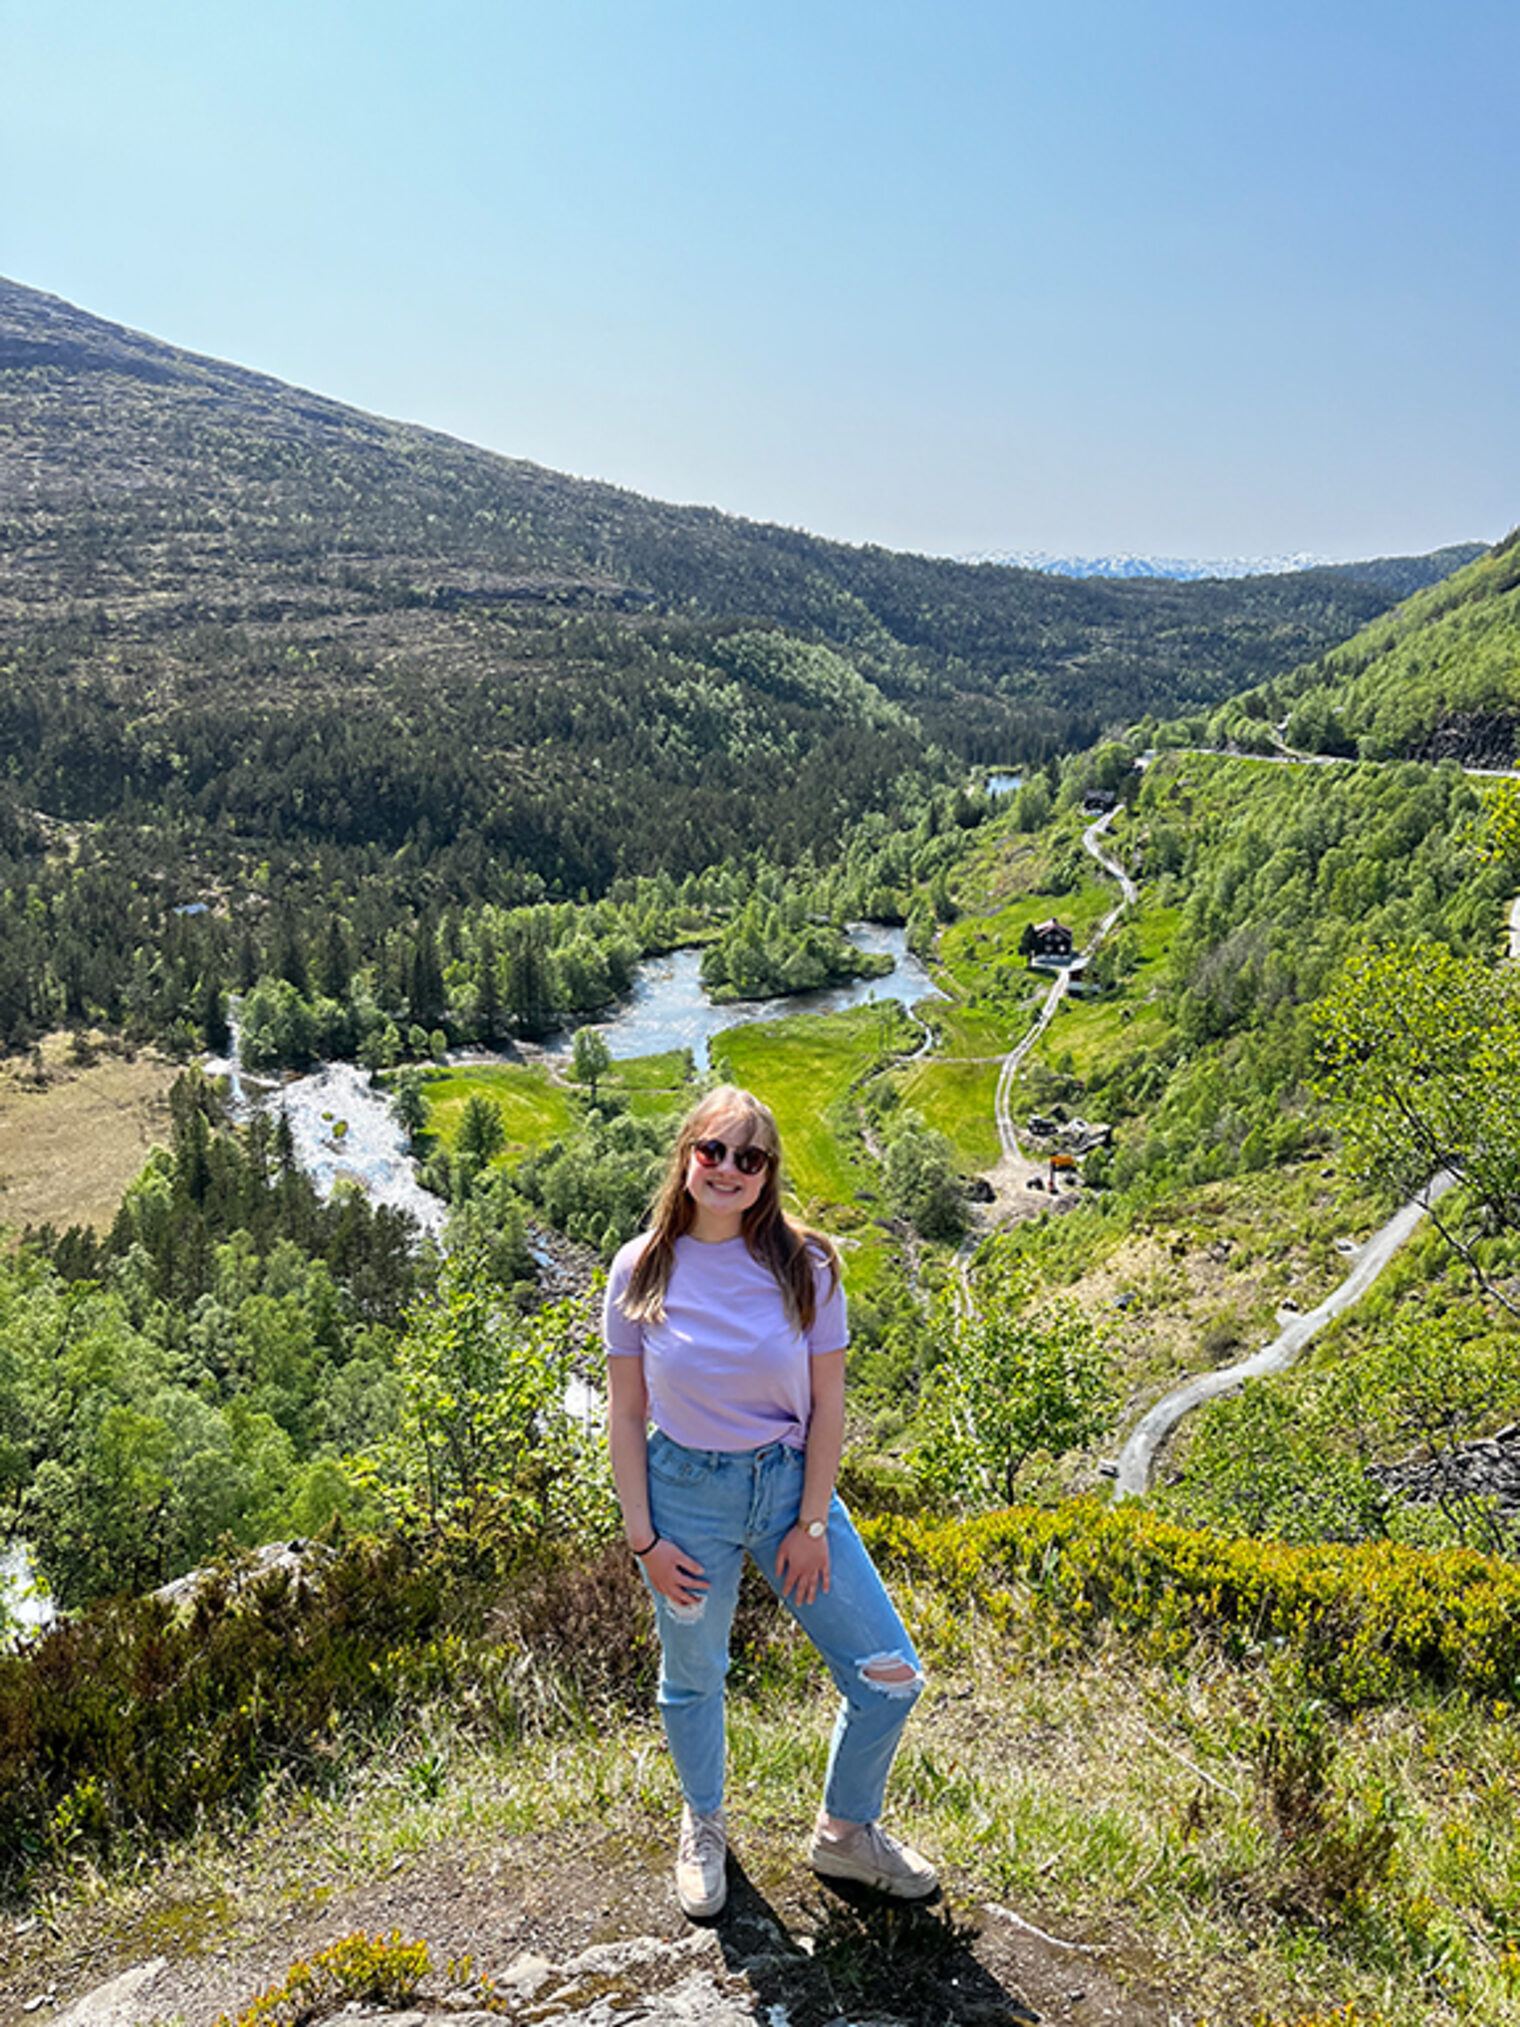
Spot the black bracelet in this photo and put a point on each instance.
(640, 1553)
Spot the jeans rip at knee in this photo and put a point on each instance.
(891, 1674)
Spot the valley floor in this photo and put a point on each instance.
(72, 1141)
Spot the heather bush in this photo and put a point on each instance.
(1361, 1623)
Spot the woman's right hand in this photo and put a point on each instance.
(675, 1574)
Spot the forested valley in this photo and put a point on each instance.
(386, 751)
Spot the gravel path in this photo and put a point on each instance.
(1138, 1454)
(1012, 1176)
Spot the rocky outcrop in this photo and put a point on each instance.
(887, 1968)
(1474, 738)
(1488, 1468)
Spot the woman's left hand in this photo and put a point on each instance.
(802, 1564)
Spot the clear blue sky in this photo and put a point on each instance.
(1180, 276)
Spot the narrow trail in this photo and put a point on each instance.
(1137, 1457)
(1139, 1452)
(1012, 1155)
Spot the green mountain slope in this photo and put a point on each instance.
(263, 655)
(164, 488)
(1437, 679)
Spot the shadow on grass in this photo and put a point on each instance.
(862, 1956)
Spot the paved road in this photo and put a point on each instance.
(1138, 1454)
(1007, 1133)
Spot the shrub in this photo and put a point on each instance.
(133, 1721)
(1362, 1623)
(356, 1970)
(135, 1718)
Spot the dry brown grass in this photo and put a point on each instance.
(69, 1145)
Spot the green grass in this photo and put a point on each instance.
(803, 1068)
(800, 1068)
(653, 1087)
(1099, 1032)
(956, 1099)
(534, 1109)
(974, 1031)
(1154, 928)
(1123, 1805)
(670, 1070)
(537, 1109)
(981, 951)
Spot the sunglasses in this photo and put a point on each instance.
(748, 1160)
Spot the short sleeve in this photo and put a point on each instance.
(622, 1335)
(831, 1328)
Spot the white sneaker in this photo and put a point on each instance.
(873, 1857)
(701, 1872)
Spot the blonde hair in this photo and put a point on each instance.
(792, 1251)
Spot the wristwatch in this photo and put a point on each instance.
(816, 1528)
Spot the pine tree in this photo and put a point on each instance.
(488, 1007)
(425, 996)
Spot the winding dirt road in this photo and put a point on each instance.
(1014, 1170)
(1138, 1454)
(1008, 1138)
(1137, 1458)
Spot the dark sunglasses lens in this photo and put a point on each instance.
(748, 1160)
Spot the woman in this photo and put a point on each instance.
(725, 1328)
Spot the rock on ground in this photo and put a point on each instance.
(591, 1937)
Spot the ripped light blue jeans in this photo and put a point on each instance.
(716, 1505)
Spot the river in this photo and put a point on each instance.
(22, 1605)
(667, 1008)
(344, 1131)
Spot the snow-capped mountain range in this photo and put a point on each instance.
(1148, 566)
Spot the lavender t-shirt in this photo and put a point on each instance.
(726, 1369)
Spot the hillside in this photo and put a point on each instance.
(262, 654)
(1178, 1770)
(1439, 679)
(165, 492)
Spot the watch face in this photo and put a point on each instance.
(817, 1529)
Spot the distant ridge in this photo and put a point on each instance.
(1183, 569)
(1189, 569)
(224, 524)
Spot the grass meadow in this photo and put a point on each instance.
(534, 1108)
